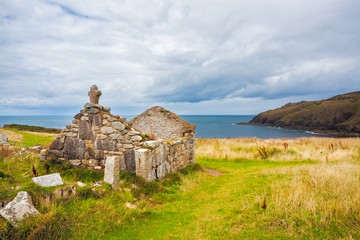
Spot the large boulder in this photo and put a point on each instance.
(19, 208)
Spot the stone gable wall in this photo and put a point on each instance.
(94, 134)
(163, 124)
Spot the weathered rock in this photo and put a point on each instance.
(129, 157)
(112, 169)
(58, 153)
(106, 130)
(118, 126)
(106, 145)
(95, 119)
(73, 148)
(127, 146)
(93, 110)
(151, 144)
(136, 138)
(19, 208)
(75, 162)
(49, 180)
(98, 183)
(80, 184)
(130, 205)
(85, 131)
(43, 155)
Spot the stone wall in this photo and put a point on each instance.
(159, 158)
(94, 134)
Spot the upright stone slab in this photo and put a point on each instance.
(48, 180)
(143, 161)
(19, 208)
(112, 170)
(3, 138)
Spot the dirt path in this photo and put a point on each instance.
(213, 172)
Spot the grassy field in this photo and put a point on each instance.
(245, 189)
(27, 138)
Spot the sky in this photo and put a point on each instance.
(189, 56)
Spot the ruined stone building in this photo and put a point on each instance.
(152, 144)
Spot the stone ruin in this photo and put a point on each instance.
(153, 144)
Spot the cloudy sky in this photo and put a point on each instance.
(190, 56)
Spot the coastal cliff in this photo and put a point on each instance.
(336, 116)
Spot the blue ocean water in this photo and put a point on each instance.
(207, 126)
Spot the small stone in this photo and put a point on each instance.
(75, 162)
(106, 130)
(83, 118)
(101, 136)
(130, 205)
(97, 167)
(77, 116)
(115, 136)
(35, 148)
(19, 208)
(89, 105)
(138, 143)
(127, 146)
(43, 155)
(107, 109)
(136, 138)
(80, 184)
(151, 144)
(118, 126)
(43, 152)
(93, 110)
(132, 133)
(98, 184)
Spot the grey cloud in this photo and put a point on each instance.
(176, 51)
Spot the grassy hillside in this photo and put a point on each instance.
(339, 115)
(248, 189)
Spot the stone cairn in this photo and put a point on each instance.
(95, 134)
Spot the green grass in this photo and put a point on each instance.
(189, 204)
(32, 140)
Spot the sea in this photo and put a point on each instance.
(207, 126)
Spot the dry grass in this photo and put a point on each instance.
(316, 149)
(42, 134)
(12, 136)
(326, 191)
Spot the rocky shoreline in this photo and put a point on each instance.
(327, 132)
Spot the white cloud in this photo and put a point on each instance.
(141, 53)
